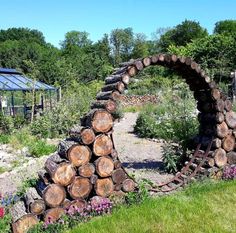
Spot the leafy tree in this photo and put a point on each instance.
(122, 43)
(215, 53)
(25, 34)
(182, 34)
(140, 48)
(225, 26)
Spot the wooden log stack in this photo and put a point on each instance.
(87, 164)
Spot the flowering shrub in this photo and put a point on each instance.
(2, 212)
(229, 172)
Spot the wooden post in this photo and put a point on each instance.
(42, 102)
(12, 104)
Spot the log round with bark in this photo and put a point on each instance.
(108, 95)
(228, 143)
(220, 157)
(62, 173)
(79, 155)
(119, 86)
(128, 185)
(102, 145)
(34, 202)
(219, 117)
(147, 61)
(108, 105)
(228, 105)
(100, 120)
(230, 119)
(54, 195)
(125, 78)
(216, 143)
(53, 214)
(86, 170)
(80, 188)
(222, 130)
(84, 135)
(139, 65)
(132, 71)
(104, 187)
(64, 146)
(219, 105)
(25, 223)
(104, 166)
(118, 176)
(231, 157)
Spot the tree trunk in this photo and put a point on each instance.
(219, 105)
(228, 143)
(104, 187)
(24, 224)
(64, 146)
(22, 221)
(128, 185)
(54, 195)
(220, 157)
(100, 120)
(228, 105)
(222, 130)
(231, 157)
(139, 65)
(230, 119)
(82, 135)
(86, 170)
(216, 143)
(102, 145)
(132, 71)
(118, 176)
(215, 94)
(34, 202)
(220, 117)
(108, 95)
(62, 173)
(108, 105)
(78, 203)
(80, 188)
(147, 61)
(118, 78)
(119, 86)
(104, 166)
(53, 214)
(79, 155)
(44, 176)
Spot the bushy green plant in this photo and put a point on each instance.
(137, 197)
(5, 224)
(6, 124)
(172, 157)
(74, 104)
(4, 138)
(174, 118)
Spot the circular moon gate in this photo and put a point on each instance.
(87, 165)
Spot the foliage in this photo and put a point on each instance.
(201, 207)
(225, 26)
(182, 34)
(5, 224)
(229, 172)
(6, 124)
(138, 197)
(37, 147)
(215, 53)
(173, 157)
(75, 102)
(165, 122)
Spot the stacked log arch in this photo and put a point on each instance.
(87, 164)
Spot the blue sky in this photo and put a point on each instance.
(56, 17)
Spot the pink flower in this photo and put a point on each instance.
(2, 212)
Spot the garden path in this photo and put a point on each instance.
(141, 157)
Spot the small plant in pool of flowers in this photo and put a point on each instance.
(229, 172)
(2, 211)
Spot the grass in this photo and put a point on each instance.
(207, 207)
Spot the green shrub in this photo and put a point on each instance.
(6, 124)
(4, 138)
(5, 224)
(75, 102)
(40, 147)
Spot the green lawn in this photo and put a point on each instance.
(208, 207)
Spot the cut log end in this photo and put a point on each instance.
(102, 145)
(220, 157)
(54, 214)
(128, 185)
(24, 223)
(104, 187)
(79, 155)
(104, 166)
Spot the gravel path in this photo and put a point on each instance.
(141, 157)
